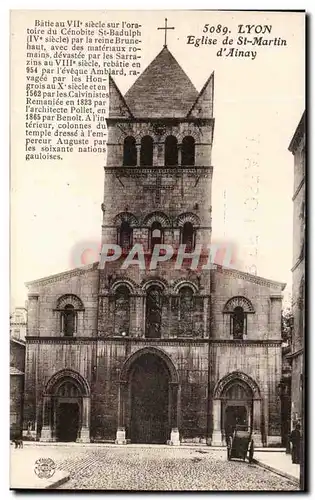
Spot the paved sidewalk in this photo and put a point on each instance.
(22, 470)
(278, 462)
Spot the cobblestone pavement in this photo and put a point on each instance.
(161, 468)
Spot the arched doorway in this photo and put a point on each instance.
(236, 401)
(66, 408)
(237, 407)
(148, 406)
(149, 394)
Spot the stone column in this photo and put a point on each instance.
(160, 154)
(217, 434)
(139, 314)
(179, 154)
(121, 429)
(33, 312)
(174, 438)
(85, 426)
(138, 146)
(275, 316)
(205, 316)
(257, 422)
(46, 432)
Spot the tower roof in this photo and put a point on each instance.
(163, 90)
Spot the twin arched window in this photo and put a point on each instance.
(188, 151)
(188, 236)
(130, 152)
(153, 312)
(122, 310)
(156, 235)
(170, 151)
(146, 151)
(125, 236)
(186, 308)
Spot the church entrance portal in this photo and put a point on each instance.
(235, 415)
(149, 394)
(67, 422)
(66, 408)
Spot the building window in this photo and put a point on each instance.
(125, 236)
(156, 234)
(186, 308)
(238, 308)
(122, 310)
(146, 151)
(238, 320)
(68, 321)
(188, 236)
(171, 152)
(130, 152)
(153, 312)
(188, 151)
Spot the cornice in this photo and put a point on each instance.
(141, 340)
(258, 280)
(61, 276)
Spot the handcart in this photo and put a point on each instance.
(240, 445)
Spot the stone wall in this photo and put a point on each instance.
(44, 320)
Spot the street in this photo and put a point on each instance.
(140, 467)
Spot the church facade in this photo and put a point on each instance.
(169, 354)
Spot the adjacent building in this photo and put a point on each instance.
(18, 323)
(297, 148)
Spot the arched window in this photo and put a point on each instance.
(130, 152)
(153, 312)
(238, 323)
(146, 151)
(68, 321)
(171, 153)
(70, 310)
(186, 308)
(188, 151)
(125, 236)
(188, 236)
(238, 309)
(122, 310)
(156, 234)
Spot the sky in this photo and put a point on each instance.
(56, 205)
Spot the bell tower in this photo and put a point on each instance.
(157, 190)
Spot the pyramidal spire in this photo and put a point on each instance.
(163, 90)
(117, 104)
(203, 106)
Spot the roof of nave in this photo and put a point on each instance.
(64, 275)
(259, 280)
(163, 90)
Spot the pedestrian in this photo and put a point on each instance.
(296, 444)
